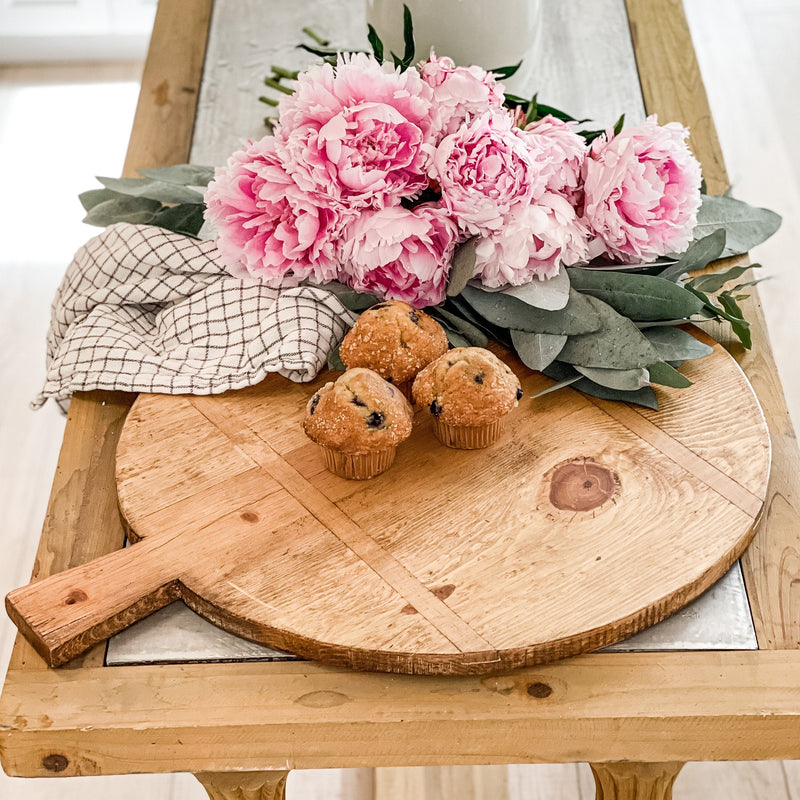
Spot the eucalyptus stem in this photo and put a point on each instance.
(273, 84)
(316, 37)
(280, 72)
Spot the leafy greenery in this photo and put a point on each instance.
(638, 297)
(462, 267)
(744, 225)
(538, 350)
(167, 197)
(699, 255)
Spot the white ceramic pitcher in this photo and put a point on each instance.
(491, 33)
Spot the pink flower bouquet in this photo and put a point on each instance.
(374, 174)
(504, 218)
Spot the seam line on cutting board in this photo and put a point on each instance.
(713, 477)
(457, 631)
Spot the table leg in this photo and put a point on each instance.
(635, 781)
(244, 785)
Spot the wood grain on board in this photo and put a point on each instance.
(506, 558)
(263, 716)
(673, 88)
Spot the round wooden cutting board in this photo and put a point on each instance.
(586, 522)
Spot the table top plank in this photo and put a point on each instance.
(673, 88)
(220, 717)
(82, 520)
(165, 113)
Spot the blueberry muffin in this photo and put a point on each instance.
(395, 340)
(358, 421)
(468, 391)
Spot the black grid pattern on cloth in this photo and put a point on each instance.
(142, 309)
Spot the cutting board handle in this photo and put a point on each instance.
(67, 613)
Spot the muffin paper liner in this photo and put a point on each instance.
(358, 466)
(467, 437)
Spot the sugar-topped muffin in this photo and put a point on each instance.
(395, 340)
(468, 391)
(358, 420)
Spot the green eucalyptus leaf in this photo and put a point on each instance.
(94, 197)
(186, 218)
(460, 307)
(181, 174)
(730, 311)
(714, 281)
(638, 297)
(455, 338)
(153, 190)
(755, 282)
(641, 397)
(578, 316)
(664, 322)
(550, 295)
(350, 299)
(619, 344)
(136, 210)
(745, 225)
(462, 268)
(474, 335)
(674, 344)
(537, 350)
(566, 374)
(625, 380)
(560, 385)
(739, 325)
(665, 375)
(699, 255)
(335, 360)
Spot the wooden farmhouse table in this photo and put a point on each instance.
(635, 717)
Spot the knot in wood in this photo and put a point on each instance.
(582, 486)
(539, 690)
(75, 596)
(55, 762)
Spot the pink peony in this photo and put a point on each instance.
(642, 191)
(400, 254)
(535, 242)
(460, 93)
(355, 134)
(267, 227)
(559, 153)
(484, 170)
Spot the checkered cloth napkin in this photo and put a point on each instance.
(142, 309)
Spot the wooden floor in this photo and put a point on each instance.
(60, 125)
